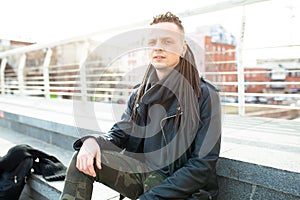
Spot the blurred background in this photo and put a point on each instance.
(249, 48)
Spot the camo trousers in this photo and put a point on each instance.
(126, 175)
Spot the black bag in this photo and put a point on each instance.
(13, 182)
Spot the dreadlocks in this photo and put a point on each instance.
(168, 17)
(189, 87)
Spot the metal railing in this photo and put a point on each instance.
(52, 79)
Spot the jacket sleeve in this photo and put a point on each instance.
(116, 139)
(198, 174)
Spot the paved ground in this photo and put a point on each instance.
(269, 142)
(252, 139)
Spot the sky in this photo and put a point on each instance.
(270, 23)
(47, 20)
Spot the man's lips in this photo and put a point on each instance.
(159, 57)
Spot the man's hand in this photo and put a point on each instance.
(89, 152)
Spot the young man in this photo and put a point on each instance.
(167, 143)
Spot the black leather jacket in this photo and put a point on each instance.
(193, 174)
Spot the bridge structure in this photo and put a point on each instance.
(41, 86)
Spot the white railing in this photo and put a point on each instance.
(64, 80)
(54, 77)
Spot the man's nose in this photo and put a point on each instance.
(159, 46)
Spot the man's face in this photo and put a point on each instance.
(166, 45)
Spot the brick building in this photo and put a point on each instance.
(218, 62)
(220, 65)
(255, 74)
(282, 71)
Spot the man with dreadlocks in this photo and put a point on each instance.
(167, 143)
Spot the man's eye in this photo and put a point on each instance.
(151, 43)
(168, 42)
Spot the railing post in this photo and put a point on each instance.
(83, 84)
(21, 74)
(240, 70)
(46, 64)
(2, 75)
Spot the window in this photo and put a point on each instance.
(207, 47)
(214, 48)
(223, 51)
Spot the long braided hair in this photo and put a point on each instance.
(189, 87)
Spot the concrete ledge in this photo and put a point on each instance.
(244, 180)
(260, 157)
(61, 135)
(39, 188)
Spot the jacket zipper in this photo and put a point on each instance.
(163, 133)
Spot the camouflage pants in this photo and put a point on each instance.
(128, 176)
